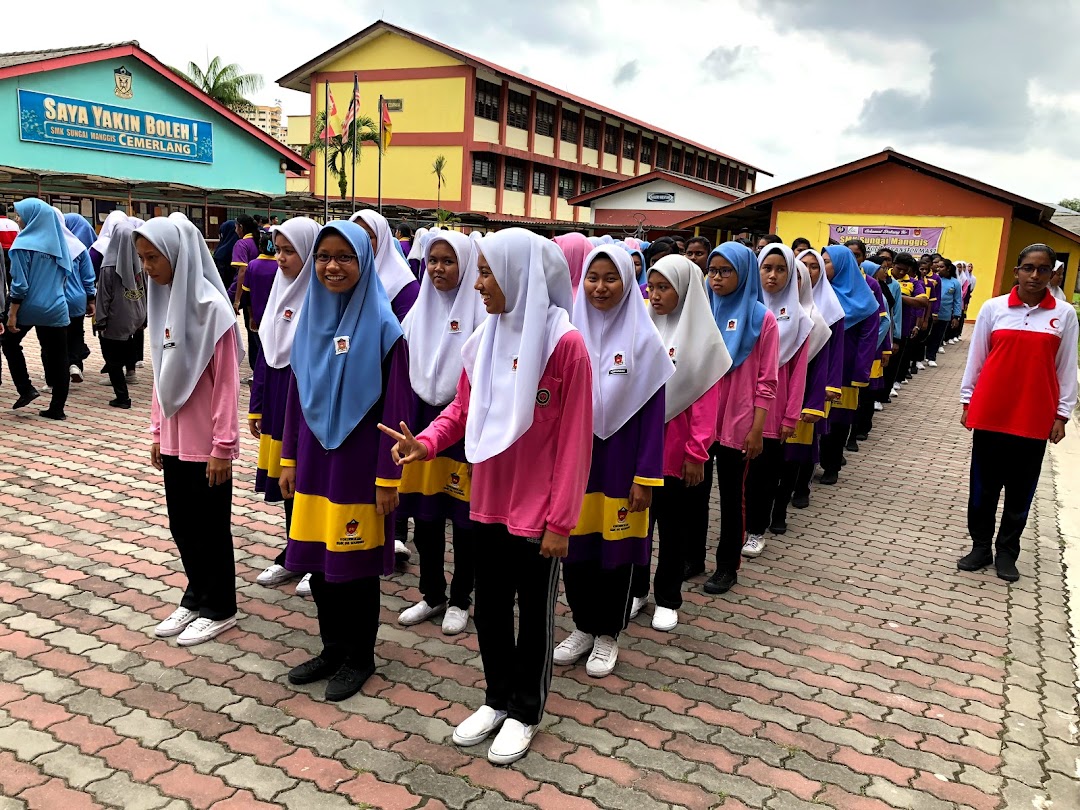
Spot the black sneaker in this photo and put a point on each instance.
(120, 403)
(829, 478)
(48, 413)
(779, 525)
(721, 582)
(317, 669)
(691, 570)
(23, 401)
(975, 560)
(800, 501)
(347, 681)
(852, 446)
(1006, 569)
(861, 437)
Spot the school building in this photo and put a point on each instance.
(96, 128)
(518, 152)
(892, 200)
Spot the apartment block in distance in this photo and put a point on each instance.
(268, 119)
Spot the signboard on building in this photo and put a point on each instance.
(660, 197)
(915, 240)
(394, 104)
(63, 121)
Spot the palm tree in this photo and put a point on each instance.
(341, 146)
(438, 168)
(226, 84)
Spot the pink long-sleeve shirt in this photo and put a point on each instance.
(207, 424)
(690, 434)
(751, 385)
(538, 483)
(790, 387)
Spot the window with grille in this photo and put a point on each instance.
(517, 110)
(588, 184)
(566, 186)
(487, 100)
(712, 171)
(688, 165)
(545, 119)
(569, 127)
(514, 176)
(611, 140)
(646, 152)
(592, 134)
(701, 168)
(661, 155)
(629, 147)
(541, 182)
(483, 172)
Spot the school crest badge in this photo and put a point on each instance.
(122, 82)
(619, 359)
(455, 326)
(287, 315)
(351, 528)
(623, 512)
(455, 479)
(513, 367)
(168, 333)
(733, 324)
(671, 352)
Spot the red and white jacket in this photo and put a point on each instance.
(1021, 371)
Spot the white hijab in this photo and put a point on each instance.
(101, 244)
(821, 332)
(282, 313)
(188, 317)
(439, 323)
(630, 362)
(74, 246)
(690, 337)
(534, 277)
(394, 272)
(1057, 292)
(793, 322)
(825, 300)
(416, 249)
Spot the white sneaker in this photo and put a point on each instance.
(754, 545)
(932, 363)
(276, 574)
(303, 587)
(878, 406)
(478, 726)
(202, 630)
(665, 619)
(131, 378)
(941, 349)
(103, 379)
(75, 373)
(175, 624)
(895, 392)
(636, 606)
(512, 742)
(605, 653)
(920, 365)
(454, 621)
(420, 612)
(572, 648)
(401, 552)
(46, 389)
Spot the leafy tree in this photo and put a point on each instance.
(226, 84)
(1071, 202)
(340, 146)
(438, 168)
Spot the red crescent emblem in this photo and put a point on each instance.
(1054, 323)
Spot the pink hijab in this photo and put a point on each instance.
(575, 247)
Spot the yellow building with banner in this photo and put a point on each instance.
(893, 200)
(516, 150)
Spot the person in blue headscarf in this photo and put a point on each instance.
(351, 371)
(80, 288)
(864, 415)
(40, 264)
(746, 393)
(83, 230)
(862, 322)
(227, 239)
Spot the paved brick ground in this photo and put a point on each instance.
(852, 668)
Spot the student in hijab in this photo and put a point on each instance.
(952, 302)
(294, 244)
(747, 393)
(120, 314)
(863, 422)
(415, 254)
(196, 348)
(223, 253)
(862, 322)
(679, 309)
(350, 370)
(41, 263)
(575, 247)
(397, 278)
(630, 366)
(447, 311)
(80, 228)
(80, 290)
(100, 246)
(524, 408)
(780, 292)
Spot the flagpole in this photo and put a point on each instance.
(381, 135)
(356, 114)
(326, 152)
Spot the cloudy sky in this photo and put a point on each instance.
(987, 88)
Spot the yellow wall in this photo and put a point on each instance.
(483, 199)
(299, 130)
(296, 184)
(590, 157)
(1024, 234)
(517, 138)
(514, 203)
(611, 162)
(390, 51)
(406, 173)
(543, 145)
(541, 207)
(972, 239)
(568, 151)
(484, 130)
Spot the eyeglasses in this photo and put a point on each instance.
(1038, 270)
(723, 272)
(342, 260)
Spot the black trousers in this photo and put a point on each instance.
(899, 361)
(937, 334)
(77, 350)
(731, 466)
(795, 477)
(864, 413)
(832, 448)
(762, 482)
(598, 597)
(254, 345)
(348, 619)
(676, 514)
(117, 353)
(430, 539)
(200, 519)
(1002, 461)
(288, 503)
(517, 668)
(53, 340)
(698, 506)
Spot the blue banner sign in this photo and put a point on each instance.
(63, 121)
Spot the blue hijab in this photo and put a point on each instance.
(82, 229)
(871, 268)
(850, 286)
(740, 314)
(643, 276)
(41, 231)
(226, 239)
(337, 390)
(897, 313)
